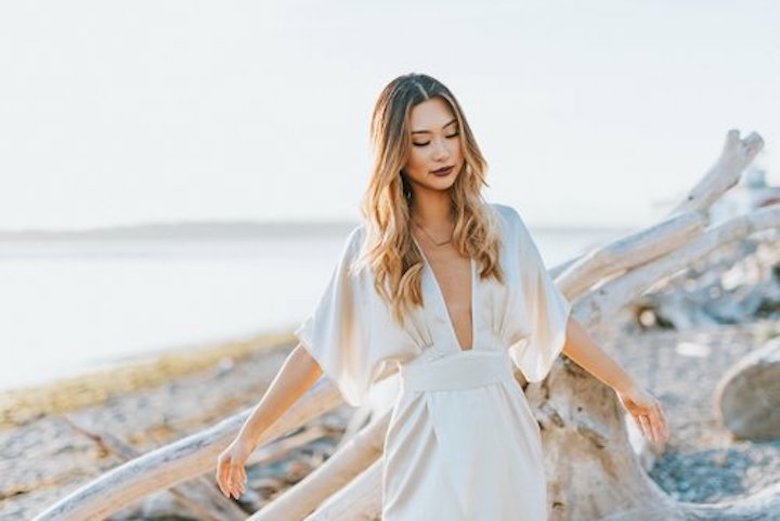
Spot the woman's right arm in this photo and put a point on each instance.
(298, 373)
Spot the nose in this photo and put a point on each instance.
(441, 149)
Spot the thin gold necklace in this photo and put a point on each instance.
(429, 235)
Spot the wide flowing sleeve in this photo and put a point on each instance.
(545, 307)
(336, 332)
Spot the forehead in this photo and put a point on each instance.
(431, 114)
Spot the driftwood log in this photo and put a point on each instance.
(593, 471)
(198, 496)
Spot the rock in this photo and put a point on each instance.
(747, 398)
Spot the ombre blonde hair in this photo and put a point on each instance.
(389, 249)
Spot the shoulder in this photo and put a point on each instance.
(355, 236)
(350, 248)
(514, 225)
(503, 210)
(354, 250)
(508, 214)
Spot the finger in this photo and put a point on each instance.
(638, 423)
(636, 417)
(229, 478)
(655, 423)
(223, 477)
(234, 473)
(651, 433)
(652, 422)
(224, 486)
(244, 479)
(229, 473)
(645, 427)
(661, 421)
(239, 481)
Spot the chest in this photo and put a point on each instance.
(451, 284)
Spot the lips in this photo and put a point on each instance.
(443, 170)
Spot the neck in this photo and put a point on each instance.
(432, 209)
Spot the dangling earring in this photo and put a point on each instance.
(407, 190)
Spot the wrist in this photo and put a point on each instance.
(624, 385)
(247, 438)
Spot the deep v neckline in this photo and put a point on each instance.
(443, 302)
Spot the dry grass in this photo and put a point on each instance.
(19, 406)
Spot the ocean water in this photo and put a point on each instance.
(71, 306)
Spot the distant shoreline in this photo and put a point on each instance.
(218, 230)
(185, 230)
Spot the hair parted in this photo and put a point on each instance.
(389, 249)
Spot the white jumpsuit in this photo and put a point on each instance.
(462, 443)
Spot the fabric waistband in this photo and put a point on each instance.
(471, 368)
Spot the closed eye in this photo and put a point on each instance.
(456, 134)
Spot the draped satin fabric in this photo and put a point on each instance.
(462, 443)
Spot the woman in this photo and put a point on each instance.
(454, 291)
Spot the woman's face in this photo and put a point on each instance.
(435, 145)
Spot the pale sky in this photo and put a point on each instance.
(116, 113)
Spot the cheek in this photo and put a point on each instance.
(457, 149)
(417, 160)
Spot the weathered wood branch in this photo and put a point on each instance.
(185, 459)
(682, 223)
(361, 451)
(199, 496)
(628, 252)
(359, 500)
(616, 293)
(735, 156)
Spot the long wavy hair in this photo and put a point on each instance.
(389, 249)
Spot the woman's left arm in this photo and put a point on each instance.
(643, 407)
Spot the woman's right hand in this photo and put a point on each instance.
(231, 474)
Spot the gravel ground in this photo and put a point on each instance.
(701, 463)
(46, 457)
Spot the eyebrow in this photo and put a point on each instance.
(450, 122)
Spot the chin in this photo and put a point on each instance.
(444, 184)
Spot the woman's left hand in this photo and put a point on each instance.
(647, 413)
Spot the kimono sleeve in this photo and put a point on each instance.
(335, 333)
(547, 309)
